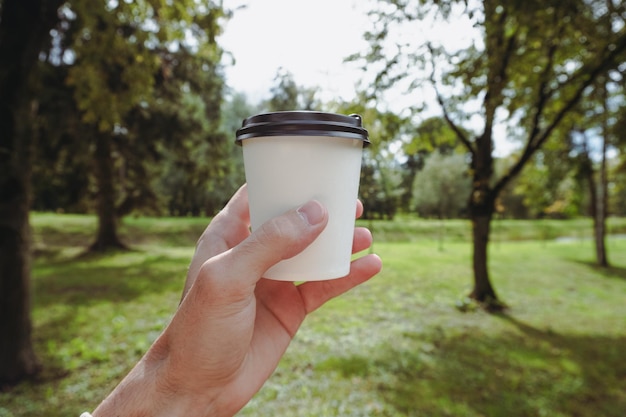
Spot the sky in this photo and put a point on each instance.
(309, 39)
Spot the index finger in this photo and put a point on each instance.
(359, 208)
(227, 229)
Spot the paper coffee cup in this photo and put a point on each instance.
(293, 157)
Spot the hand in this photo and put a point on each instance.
(232, 326)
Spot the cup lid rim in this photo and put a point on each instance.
(303, 123)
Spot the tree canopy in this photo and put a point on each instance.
(525, 65)
(147, 77)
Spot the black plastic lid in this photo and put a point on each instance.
(303, 123)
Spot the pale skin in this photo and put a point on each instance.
(232, 326)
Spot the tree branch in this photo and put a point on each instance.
(537, 138)
(456, 129)
(496, 83)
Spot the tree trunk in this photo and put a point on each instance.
(599, 212)
(17, 358)
(107, 236)
(481, 208)
(601, 197)
(597, 202)
(483, 291)
(24, 29)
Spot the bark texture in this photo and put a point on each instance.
(24, 29)
(107, 236)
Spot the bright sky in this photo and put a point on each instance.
(309, 39)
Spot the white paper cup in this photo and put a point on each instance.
(293, 157)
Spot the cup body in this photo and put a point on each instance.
(284, 171)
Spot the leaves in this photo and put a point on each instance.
(442, 187)
(148, 75)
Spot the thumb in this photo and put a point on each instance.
(279, 238)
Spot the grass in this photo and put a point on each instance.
(396, 346)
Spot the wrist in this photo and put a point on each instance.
(148, 391)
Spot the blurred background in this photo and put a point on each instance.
(479, 112)
(166, 88)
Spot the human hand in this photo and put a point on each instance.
(232, 326)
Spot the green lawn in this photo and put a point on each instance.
(396, 346)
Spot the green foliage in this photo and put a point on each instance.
(61, 163)
(618, 191)
(432, 134)
(147, 76)
(116, 49)
(526, 65)
(379, 188)
(373, 351)
(549, 187)
(381, 184)
(442, 187)
(287, 95)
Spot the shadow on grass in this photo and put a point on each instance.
(66, 284)
(616, 272)
(116, 276)
(524, 372)
(155, 231)
(47, 338)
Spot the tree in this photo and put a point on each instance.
(598, 195)
(379, 188)
(548, 185)
(608, 99)
(380, 183)
(170, 156)
(122, 46)
(24, 29)
(287, 95)
(60, 160)
(149, 102)
(235, 109)
(433, 134)
(527, 66)
(190, 151)
(441, 187)
(618, 202)
(133, 61)
(591, 132)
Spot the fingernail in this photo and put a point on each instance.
(312, 212)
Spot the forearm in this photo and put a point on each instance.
(147, 392)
